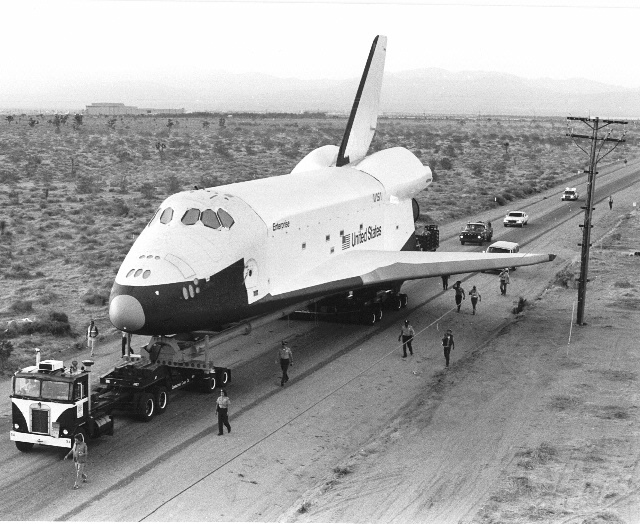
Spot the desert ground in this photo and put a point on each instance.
(535, 421)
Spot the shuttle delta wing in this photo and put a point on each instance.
(362, 268)
(364, 114)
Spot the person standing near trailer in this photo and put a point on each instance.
(504, 280)
(80, 452)
(92, 334)
(460, 294)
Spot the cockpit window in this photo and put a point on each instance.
(166, 216)
(225, 218)
(210, 219)
(191, 217)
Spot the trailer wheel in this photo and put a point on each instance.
(210, 383)
(378, 313)
(25, 447)
(404, 300)
(146, 406)
(224, 377)
(162, 398)
(368, 318)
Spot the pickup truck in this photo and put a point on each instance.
(477, 232)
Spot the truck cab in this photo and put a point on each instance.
(476, 232)
(570, 193)
(51, 404)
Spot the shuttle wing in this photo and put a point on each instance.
(362, 268)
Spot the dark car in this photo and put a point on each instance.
(476, 232)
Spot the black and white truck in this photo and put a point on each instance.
(51, 403)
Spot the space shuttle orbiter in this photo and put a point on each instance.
(341, 221)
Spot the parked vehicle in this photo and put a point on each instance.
(502, 246)
(516, 218)
(570, 193)
(476, 232)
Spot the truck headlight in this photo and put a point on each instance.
(16, 426)
(65, 431)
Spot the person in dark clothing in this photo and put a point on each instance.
(447, 346)
(460, 294)
(504, 280)
(222, 408)
(286, 359)
(126, 344)
(445, 282)
(610, 202)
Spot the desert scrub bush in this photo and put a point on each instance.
(95, 299)
(18, 272)
(519, 307)
(564, 277)
(21, 306)
(54, 324)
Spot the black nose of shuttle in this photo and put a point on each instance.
(126, 313)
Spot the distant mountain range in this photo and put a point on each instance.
(431, 91)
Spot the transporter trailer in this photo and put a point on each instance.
(52, 403)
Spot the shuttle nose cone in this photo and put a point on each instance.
(126, 313)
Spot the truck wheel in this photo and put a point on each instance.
(25, 447)
(162, 398)
(462, 242)
(404, 300)
(146, 407)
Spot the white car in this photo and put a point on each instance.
(570, 193)
(502, 246)
(516, 218)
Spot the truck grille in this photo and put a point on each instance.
(39, 421)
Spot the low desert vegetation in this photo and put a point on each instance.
(75, 192)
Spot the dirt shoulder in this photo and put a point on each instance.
(539, 424)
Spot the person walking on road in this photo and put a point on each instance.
(504, 280)
(126, 344)
(80, 452)
(447, 346)
(92, 334)
(460, 294)
(610, 201)
(222, 408)
(406, 335)
(286, 359)
(445, 282)
(475, 297)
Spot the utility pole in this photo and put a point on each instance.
(596, 124)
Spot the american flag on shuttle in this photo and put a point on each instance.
(346, 244)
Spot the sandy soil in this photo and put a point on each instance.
(539, 424)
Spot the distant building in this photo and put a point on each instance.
(106, 108)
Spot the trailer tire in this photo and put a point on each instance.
(209, 383)
(25, 447)
(146, 406)
(162, 399)
(223, 375)
(378, 313)
(368, 318)
(404, 300)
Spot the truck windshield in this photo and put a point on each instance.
(27, 387)
(498, 250)
(55, 390)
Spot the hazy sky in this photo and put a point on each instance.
(44, 41)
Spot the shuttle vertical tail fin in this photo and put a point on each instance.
(363, 119)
